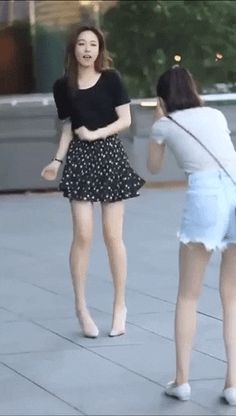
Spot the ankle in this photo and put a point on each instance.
(181, 380)
(230, 384)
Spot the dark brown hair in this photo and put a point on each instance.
(102, 62)
(178, 90)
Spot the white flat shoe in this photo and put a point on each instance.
(181, 391)
(229, 395)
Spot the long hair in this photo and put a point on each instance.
(102, 62)
(178, 90)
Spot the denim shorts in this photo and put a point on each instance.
(209, 215)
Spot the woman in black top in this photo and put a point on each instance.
(95, 105)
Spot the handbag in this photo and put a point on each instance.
(204, 147)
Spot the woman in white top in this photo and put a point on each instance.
(208, 220)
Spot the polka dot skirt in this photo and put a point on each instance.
(99, 171)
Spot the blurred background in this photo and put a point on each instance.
(45, 367)
(143, 37)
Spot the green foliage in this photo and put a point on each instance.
(144, 37)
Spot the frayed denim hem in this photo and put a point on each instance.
(209, 245)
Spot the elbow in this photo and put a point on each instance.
(66, 138)
(127, 122)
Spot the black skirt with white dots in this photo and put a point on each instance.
(99, 171)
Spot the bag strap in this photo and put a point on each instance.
(204, 147)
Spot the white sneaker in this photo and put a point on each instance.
(229, 395)
(181, 391)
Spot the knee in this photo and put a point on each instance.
(112, 240)
(82, 240)
(189, 295)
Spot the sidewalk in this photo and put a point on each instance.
(47, 367)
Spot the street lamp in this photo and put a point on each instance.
(218, 57)
(177, 58)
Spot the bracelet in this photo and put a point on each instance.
(58, 160)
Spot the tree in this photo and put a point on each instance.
(144, 38)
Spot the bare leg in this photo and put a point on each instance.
(228, 299)
(82, 215)
(112, 216)
(193, 259)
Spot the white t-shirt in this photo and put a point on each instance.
(209, 126)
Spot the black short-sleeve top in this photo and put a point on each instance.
(92, 107)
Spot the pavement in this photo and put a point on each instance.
(47, 367)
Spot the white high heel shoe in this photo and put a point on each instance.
(121, 331)
(88, 326)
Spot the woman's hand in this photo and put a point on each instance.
(50, 171)
(160, 109)
(85, 134)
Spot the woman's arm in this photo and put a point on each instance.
(122, 123)
(160, 110)
(50, 171)
(156, 151)
(65, 139)
(155, 156)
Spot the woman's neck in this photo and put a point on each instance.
(87, 77)
(86, 73)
